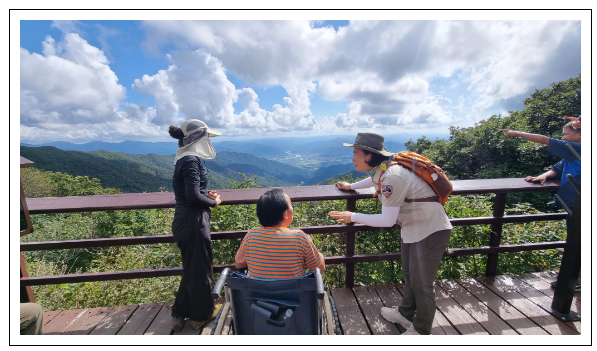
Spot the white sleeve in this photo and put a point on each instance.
(365, 183)
(387, 218)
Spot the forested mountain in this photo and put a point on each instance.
(129, 176)
(150, 172)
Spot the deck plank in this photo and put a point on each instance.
(500, 307)
(507, 289)
(477, 309)
(464, 323)
(390, 297)
(541, 293)
(88, 321)
(62, 321)
(141, 319)
(162, 324)
(49, 315)
(371, 305)
(114, 320)
(440, 326)
(551, 276)
(349, 314)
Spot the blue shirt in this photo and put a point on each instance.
(568, 165)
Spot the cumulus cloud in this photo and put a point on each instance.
(71, 83)
(381, 68)
(70, 93)
(385, 71)
(196, 86)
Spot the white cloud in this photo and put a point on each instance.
(70, 93)
(383, 68)
(71, 83)
(196, 86)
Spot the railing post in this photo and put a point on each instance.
(351, 205)
(499, 208)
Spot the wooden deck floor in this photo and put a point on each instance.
(505, 305)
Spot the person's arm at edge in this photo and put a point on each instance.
(239, 261)
(536, 138)
(310, 254)
(322, 265)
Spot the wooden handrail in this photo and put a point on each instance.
(163, 239)
(167, 272)
(90, 203)
(302, 193)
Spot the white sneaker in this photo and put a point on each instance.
(392, 315)
(410, 331)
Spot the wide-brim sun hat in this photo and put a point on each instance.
(196, 140)
(370, 142)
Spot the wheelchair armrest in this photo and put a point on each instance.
(215, 293)
(319, 282)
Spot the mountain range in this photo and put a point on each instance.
(149, 172)
(267, 147)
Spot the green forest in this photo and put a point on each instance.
(477, 152)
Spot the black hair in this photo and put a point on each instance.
(271, 207)
(571, 128)
(376, 159)
(176, 133)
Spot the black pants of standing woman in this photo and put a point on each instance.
(193, 236)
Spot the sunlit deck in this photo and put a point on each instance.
(504, 305)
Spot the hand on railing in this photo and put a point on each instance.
(341, 216)
(214, 196)
(343, 186)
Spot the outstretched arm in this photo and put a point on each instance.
(536, 138)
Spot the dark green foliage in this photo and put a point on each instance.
(483, 152)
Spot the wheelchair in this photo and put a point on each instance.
(296, 306)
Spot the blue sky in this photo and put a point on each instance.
(129, 80)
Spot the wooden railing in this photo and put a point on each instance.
(500, 187)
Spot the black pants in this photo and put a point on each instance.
(193, 236)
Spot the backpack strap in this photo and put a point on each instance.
(425, 199)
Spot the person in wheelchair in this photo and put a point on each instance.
(277, 297)
(274, 251)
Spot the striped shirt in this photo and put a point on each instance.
(277, 253)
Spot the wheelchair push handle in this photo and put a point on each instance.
(215, 293)
(319, 282)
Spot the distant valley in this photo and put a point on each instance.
(135, 166)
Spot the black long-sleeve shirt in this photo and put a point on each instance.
(190, 184)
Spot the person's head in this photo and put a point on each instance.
(368, 151)
(571, 133)
(193, 138)
(365, 160)
(274, 209)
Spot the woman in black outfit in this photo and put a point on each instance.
(191, 225)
